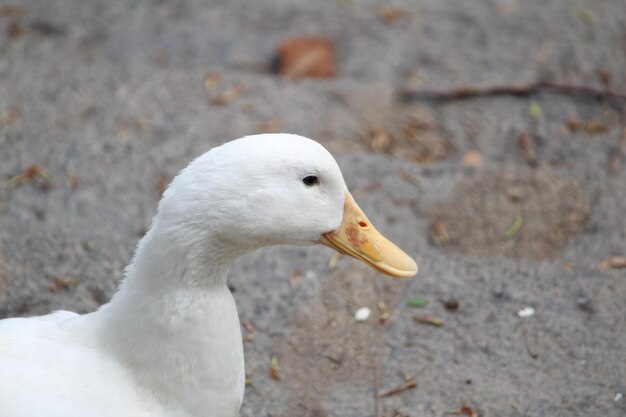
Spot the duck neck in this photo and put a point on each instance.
(167, 260)
(173, 323)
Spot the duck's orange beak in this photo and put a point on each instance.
(357, 237)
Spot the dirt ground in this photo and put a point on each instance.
(506, 201)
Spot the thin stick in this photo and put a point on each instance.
(409, 384)
(377, 404)
(517, 89)
(615, 160)
(529, 345)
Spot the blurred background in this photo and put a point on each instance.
(484, 136)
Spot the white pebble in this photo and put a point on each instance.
(526, 312)
(362, 314)
(618, 397)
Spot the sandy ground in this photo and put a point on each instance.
(109, 98)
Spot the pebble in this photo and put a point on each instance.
(451, 304)
(526, 312)
(362, 314)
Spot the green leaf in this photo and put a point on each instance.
(517, 225)
(586, 15)
(417, 302)
(535, 110)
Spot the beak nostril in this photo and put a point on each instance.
(362, 224)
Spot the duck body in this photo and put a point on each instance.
(169, 341)
(84, 381)
(176, 354)
(41, 376)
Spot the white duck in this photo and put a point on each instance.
(169, 342)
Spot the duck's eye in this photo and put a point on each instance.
(311, 180)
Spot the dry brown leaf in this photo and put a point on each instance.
(473, 159)
(439, 233)
(229, 95)
(63, 283)
(306, 57)
(391, 14)
(594, 127)
(248, 325)
(380, 140)
(15, 30)
(36, 174)
(9, 117)
(591, 127)
(451, 304)
(162, 183)
(273, 371)
(527, 146)
(294, 279)
(573, 124)
(211, 81)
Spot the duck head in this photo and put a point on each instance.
(276, 189)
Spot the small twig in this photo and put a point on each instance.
(378, 407)
(409, 384)
(465, 410)
(377, 404)
(615, 262)
(520, 89)
(528, 342)
(615, 160)
(433, 321)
